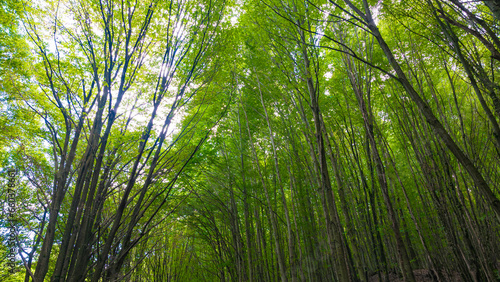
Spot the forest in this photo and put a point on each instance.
(250, 140)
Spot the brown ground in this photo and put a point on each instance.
(421, 275)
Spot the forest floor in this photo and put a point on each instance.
(421, 275)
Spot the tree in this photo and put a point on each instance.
(113, 173)
(267, 140)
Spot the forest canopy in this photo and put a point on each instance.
(235, 140)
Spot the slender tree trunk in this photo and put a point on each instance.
(291, 247)
(481, 184)
(272, 217)
(332, 217)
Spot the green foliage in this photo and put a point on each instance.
(239, 90)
